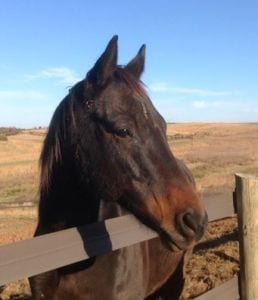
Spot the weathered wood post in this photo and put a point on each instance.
(247, 207)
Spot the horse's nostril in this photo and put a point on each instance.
(190, 221)
(191, 225)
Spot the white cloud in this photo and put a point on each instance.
(64, 74)
(159, 87)
(17, 95)
(251, 109)
(207, 104)
(164, 87)
(228, 107)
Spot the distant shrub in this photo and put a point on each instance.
(179, 136)
(3, 137)
(9, 131)
(38, 133)
(201, 171)
(188, 136)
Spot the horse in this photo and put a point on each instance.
(106, 155)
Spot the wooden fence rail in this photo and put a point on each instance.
(226, 291)
(50, 251)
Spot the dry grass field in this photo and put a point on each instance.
(19, 167)
(214, 152)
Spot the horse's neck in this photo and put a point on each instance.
(109, 210)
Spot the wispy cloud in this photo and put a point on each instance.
(64, 74)
(251, 109)
(201, 104)
(19, 95)
(240, 106)
(163, 87)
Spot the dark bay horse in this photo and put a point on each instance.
(105, 155)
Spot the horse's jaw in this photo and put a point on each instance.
(109, 210)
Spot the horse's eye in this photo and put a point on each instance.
(123, 132)
(89, 105)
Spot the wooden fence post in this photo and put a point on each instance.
(247, 207)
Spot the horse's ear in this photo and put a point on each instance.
(136, 65)
(105, 65)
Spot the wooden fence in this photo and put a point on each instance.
(40, 254)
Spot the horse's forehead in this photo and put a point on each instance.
(143, 105)
(127, 98)
(122, 91)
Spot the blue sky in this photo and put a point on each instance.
(201, 64)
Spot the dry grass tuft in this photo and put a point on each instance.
(17, 224)
(16, 291)
(215, 260)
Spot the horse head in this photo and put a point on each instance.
(111, 145)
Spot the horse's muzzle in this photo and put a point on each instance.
(191, 225)
(189, 229)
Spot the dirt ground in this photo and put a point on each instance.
(214, 153)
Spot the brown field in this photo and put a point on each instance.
(19, 167)
(214, 152)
